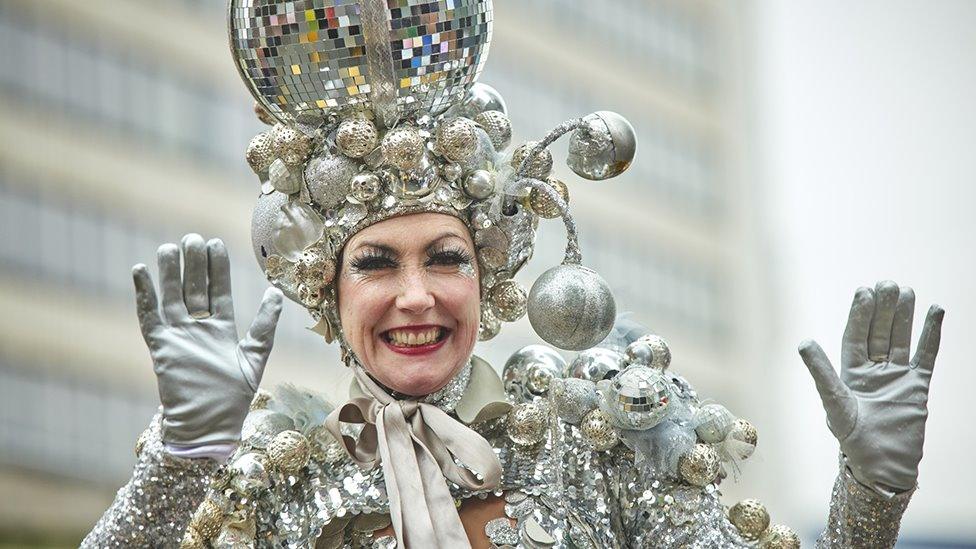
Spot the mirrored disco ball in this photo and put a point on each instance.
(302, 59)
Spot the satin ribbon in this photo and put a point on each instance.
(416, 444)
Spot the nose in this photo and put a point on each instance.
(415, 296)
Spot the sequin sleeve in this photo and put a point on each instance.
(153, 508)
(860, 517)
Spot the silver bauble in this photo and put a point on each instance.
(598, 430)
(451, 171)
(290, 144)
(479, 184)
(192, 539)
(489, 326)
(289, 451)
(403, 147)
(713, 423)
(573, 398)
(262, 225)
(539, 167)
(750, 518)
(261, 426)
(207, 518)
(660, 352)
(285, 178)
(571, 307)
(498, 127)
(260, 153)
(356, 137)
(327, 176)
(365, 186)
(527, 424)
(484, 155)
(700, 465)
(478, 99)
(542, 204)
(456, 139)
(637, 398)
(779, 536)
(414, 183)
(604, 148)
(296, 227)
(595, 364)
(748, 437)
(638, 353)
(508, 300)
(530, 370)
(248, 473)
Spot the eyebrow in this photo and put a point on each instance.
(390, 249)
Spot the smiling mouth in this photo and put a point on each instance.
(415, 337)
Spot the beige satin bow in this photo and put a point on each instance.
(416, 444)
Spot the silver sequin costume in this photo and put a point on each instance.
(558, 493)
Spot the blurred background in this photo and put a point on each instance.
(788, 153)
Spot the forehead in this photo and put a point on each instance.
(416, 230)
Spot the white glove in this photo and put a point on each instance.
(206, 376)
(878, 411)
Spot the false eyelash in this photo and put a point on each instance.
(374, 260)
(448, 256)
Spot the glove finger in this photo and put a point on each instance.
(221, 303)
(901, 326)
(854, 347)
(147, 305)
(928, 342)
(256, 345)
(838, 402)
(879, 337)
(170, 284)
(195, 276)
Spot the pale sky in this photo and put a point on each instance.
(867, 133)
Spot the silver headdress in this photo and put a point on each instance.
(376, 114)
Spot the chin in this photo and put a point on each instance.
(418, 377)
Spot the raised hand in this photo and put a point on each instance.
(878, 406)
(206, 375)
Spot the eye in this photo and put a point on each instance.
(450, 257)
(375, 260)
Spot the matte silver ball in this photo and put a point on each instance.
(571, 307)
(480, 184)
(638, 398)
(498, 127)
(356, 137)
(713, 423)
(328, 176)
(596, 364)
(529, 372)
(365, 186)
(478, 99)
(603, 148)
(573, 398)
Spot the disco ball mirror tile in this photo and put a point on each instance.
(310, 57)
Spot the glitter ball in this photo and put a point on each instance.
(638, 398)
(288, 451)
(356, 137)
(309, 58)
(713, 423)
(699, 466)
(508, 300)
(598, 430)
(750, 517)
(527, 424)
(542, 204)
(539, 167)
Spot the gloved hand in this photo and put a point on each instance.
(878, 406)
(206, 376)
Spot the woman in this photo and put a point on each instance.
(400, 228)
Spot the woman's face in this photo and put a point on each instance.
(409, 300)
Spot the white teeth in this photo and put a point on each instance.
(404, 338)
